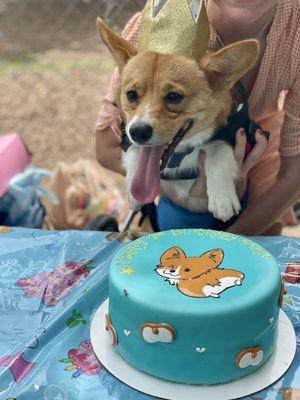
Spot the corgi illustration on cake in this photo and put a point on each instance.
(198, 276)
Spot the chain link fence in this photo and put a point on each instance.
(54, 72)
(37, 25)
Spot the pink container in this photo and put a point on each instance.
(14, 158)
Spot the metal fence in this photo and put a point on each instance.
(54, 72)
(35, 25)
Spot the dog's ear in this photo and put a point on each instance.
(120, 49)
(171, 254)
(213, 258)
(226, 66)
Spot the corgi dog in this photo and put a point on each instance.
(198, 276)
(172, 102)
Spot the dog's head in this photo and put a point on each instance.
(161, 93)
(174, 264)
(166, 98)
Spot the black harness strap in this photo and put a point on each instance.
(149, 210)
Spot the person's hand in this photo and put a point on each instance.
(246, 164)
(108, 150)
(196, 200)
(255, 154)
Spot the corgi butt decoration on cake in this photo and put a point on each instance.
(250, 357)
(162, 332)
(111, 329)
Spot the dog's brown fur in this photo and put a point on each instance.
(206, 85)
(206, 89)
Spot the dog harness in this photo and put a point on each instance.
(167, 215)
(238, 118)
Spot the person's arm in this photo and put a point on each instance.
(108, 136)
(108, 150)
(270, 206)
(199, 189)
(267, 209)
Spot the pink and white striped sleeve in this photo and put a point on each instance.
(290, 135)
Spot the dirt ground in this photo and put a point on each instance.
(54, 72)
(53, 103)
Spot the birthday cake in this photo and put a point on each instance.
(194, 306)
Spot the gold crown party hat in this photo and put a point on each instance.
(175, 27)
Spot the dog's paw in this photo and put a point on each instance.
(224, 206)
(127, 236)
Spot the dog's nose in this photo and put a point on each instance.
(141, 132)
(172, 270)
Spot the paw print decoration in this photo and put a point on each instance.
(111, 329)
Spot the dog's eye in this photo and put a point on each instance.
(187, 269)
(174, 98)
(132, 96)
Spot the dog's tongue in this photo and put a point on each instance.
(146, 182)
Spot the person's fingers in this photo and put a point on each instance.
(199, 187)
(240, 146)
(202, 156)
(256, 153)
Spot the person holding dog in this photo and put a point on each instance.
(273, 86)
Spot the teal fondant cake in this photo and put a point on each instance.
(194, 306)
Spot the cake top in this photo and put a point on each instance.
(185, 269)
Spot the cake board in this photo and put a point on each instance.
(273, 370)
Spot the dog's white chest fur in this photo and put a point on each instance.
(220, 169)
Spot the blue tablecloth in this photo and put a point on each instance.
(51, 285)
